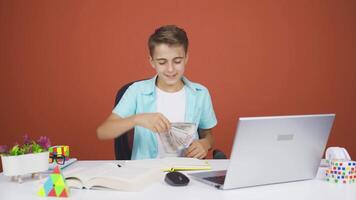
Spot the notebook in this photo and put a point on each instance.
(172, 164)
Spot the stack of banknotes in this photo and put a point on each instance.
(179, 137)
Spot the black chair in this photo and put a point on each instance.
(123, 144)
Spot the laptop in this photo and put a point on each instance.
(276, 149)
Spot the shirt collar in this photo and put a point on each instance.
(151, 85)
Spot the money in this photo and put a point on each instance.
(180, 136)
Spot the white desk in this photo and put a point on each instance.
(312, 189)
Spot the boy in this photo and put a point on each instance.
(150, 106)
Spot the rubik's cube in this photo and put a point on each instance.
(55, 185)
(59, 150)
(341, 172)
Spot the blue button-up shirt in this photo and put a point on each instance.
(140, 97)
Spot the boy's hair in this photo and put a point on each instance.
(168, 34)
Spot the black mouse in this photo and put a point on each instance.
(176, 179)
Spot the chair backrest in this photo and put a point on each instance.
(123, 143)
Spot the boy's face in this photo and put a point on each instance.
(169, 62)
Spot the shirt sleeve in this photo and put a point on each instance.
(127, 104)
(208, 118)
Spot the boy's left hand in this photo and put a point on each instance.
(197, 149)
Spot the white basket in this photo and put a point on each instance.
(25, 164)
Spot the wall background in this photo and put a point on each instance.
(62, 62)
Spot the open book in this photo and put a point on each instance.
(111, 176)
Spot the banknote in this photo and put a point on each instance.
(179, 137)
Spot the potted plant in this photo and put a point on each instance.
(29, 158)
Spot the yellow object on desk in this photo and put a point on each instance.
(187, 164)
(170, 164)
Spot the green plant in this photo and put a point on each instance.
(29, 146)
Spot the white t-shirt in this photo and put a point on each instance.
(172, 106)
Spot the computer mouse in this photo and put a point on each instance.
(176, 179)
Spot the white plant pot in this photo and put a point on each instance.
(25, 164)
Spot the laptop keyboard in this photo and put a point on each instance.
(216, 179)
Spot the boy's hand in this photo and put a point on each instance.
(197, 149)
(156, 122)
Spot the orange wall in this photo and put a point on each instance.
(62, 62)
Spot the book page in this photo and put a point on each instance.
(79, 172)
(109, 175)
(76, 177)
